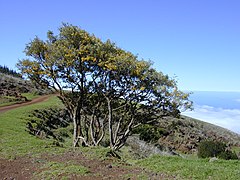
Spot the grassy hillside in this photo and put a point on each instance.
(15, 140)
(32, 157)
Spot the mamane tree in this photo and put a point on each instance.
(102, 86)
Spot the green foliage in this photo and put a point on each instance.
(175, 124)
(210, 149)
(215, 149)
(150, 133)
(227, 155)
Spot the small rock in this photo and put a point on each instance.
(109, 166)
(213, 159)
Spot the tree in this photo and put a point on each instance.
(63, 63)
(6, 70)
(101, 85)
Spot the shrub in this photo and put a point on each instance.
(149, 133)
(215, 149)
(228, 155)
(51, 122)
(175, 124)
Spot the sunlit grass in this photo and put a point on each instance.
(58, 170)
(192, 168)
(30, 96)
(7, 100)
(15, 140)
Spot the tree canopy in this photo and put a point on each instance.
(101, 85)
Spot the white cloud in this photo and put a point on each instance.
(227, 118)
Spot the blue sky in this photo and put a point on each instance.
(196, 40)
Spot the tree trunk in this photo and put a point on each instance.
(92, 131)
(120, 141)
(111, 138)
(75, 131)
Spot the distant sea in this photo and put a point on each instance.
(220, 108)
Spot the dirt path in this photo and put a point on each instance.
(34, 101)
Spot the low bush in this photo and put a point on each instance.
(215, 149)
(228, 155)
(52, 122)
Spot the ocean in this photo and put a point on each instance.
(219, 108)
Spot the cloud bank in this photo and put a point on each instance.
(227, 118)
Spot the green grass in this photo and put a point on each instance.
(9, 100)
(236, 149)
(58, 170)
(141, 176)
(30, 96)
(15, 140)
(192, 168)
(97, 152)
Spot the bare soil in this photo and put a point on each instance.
(19, 168)
(34, 101)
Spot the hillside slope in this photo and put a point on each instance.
(10, 86)
(184, 134)
(13, 89)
